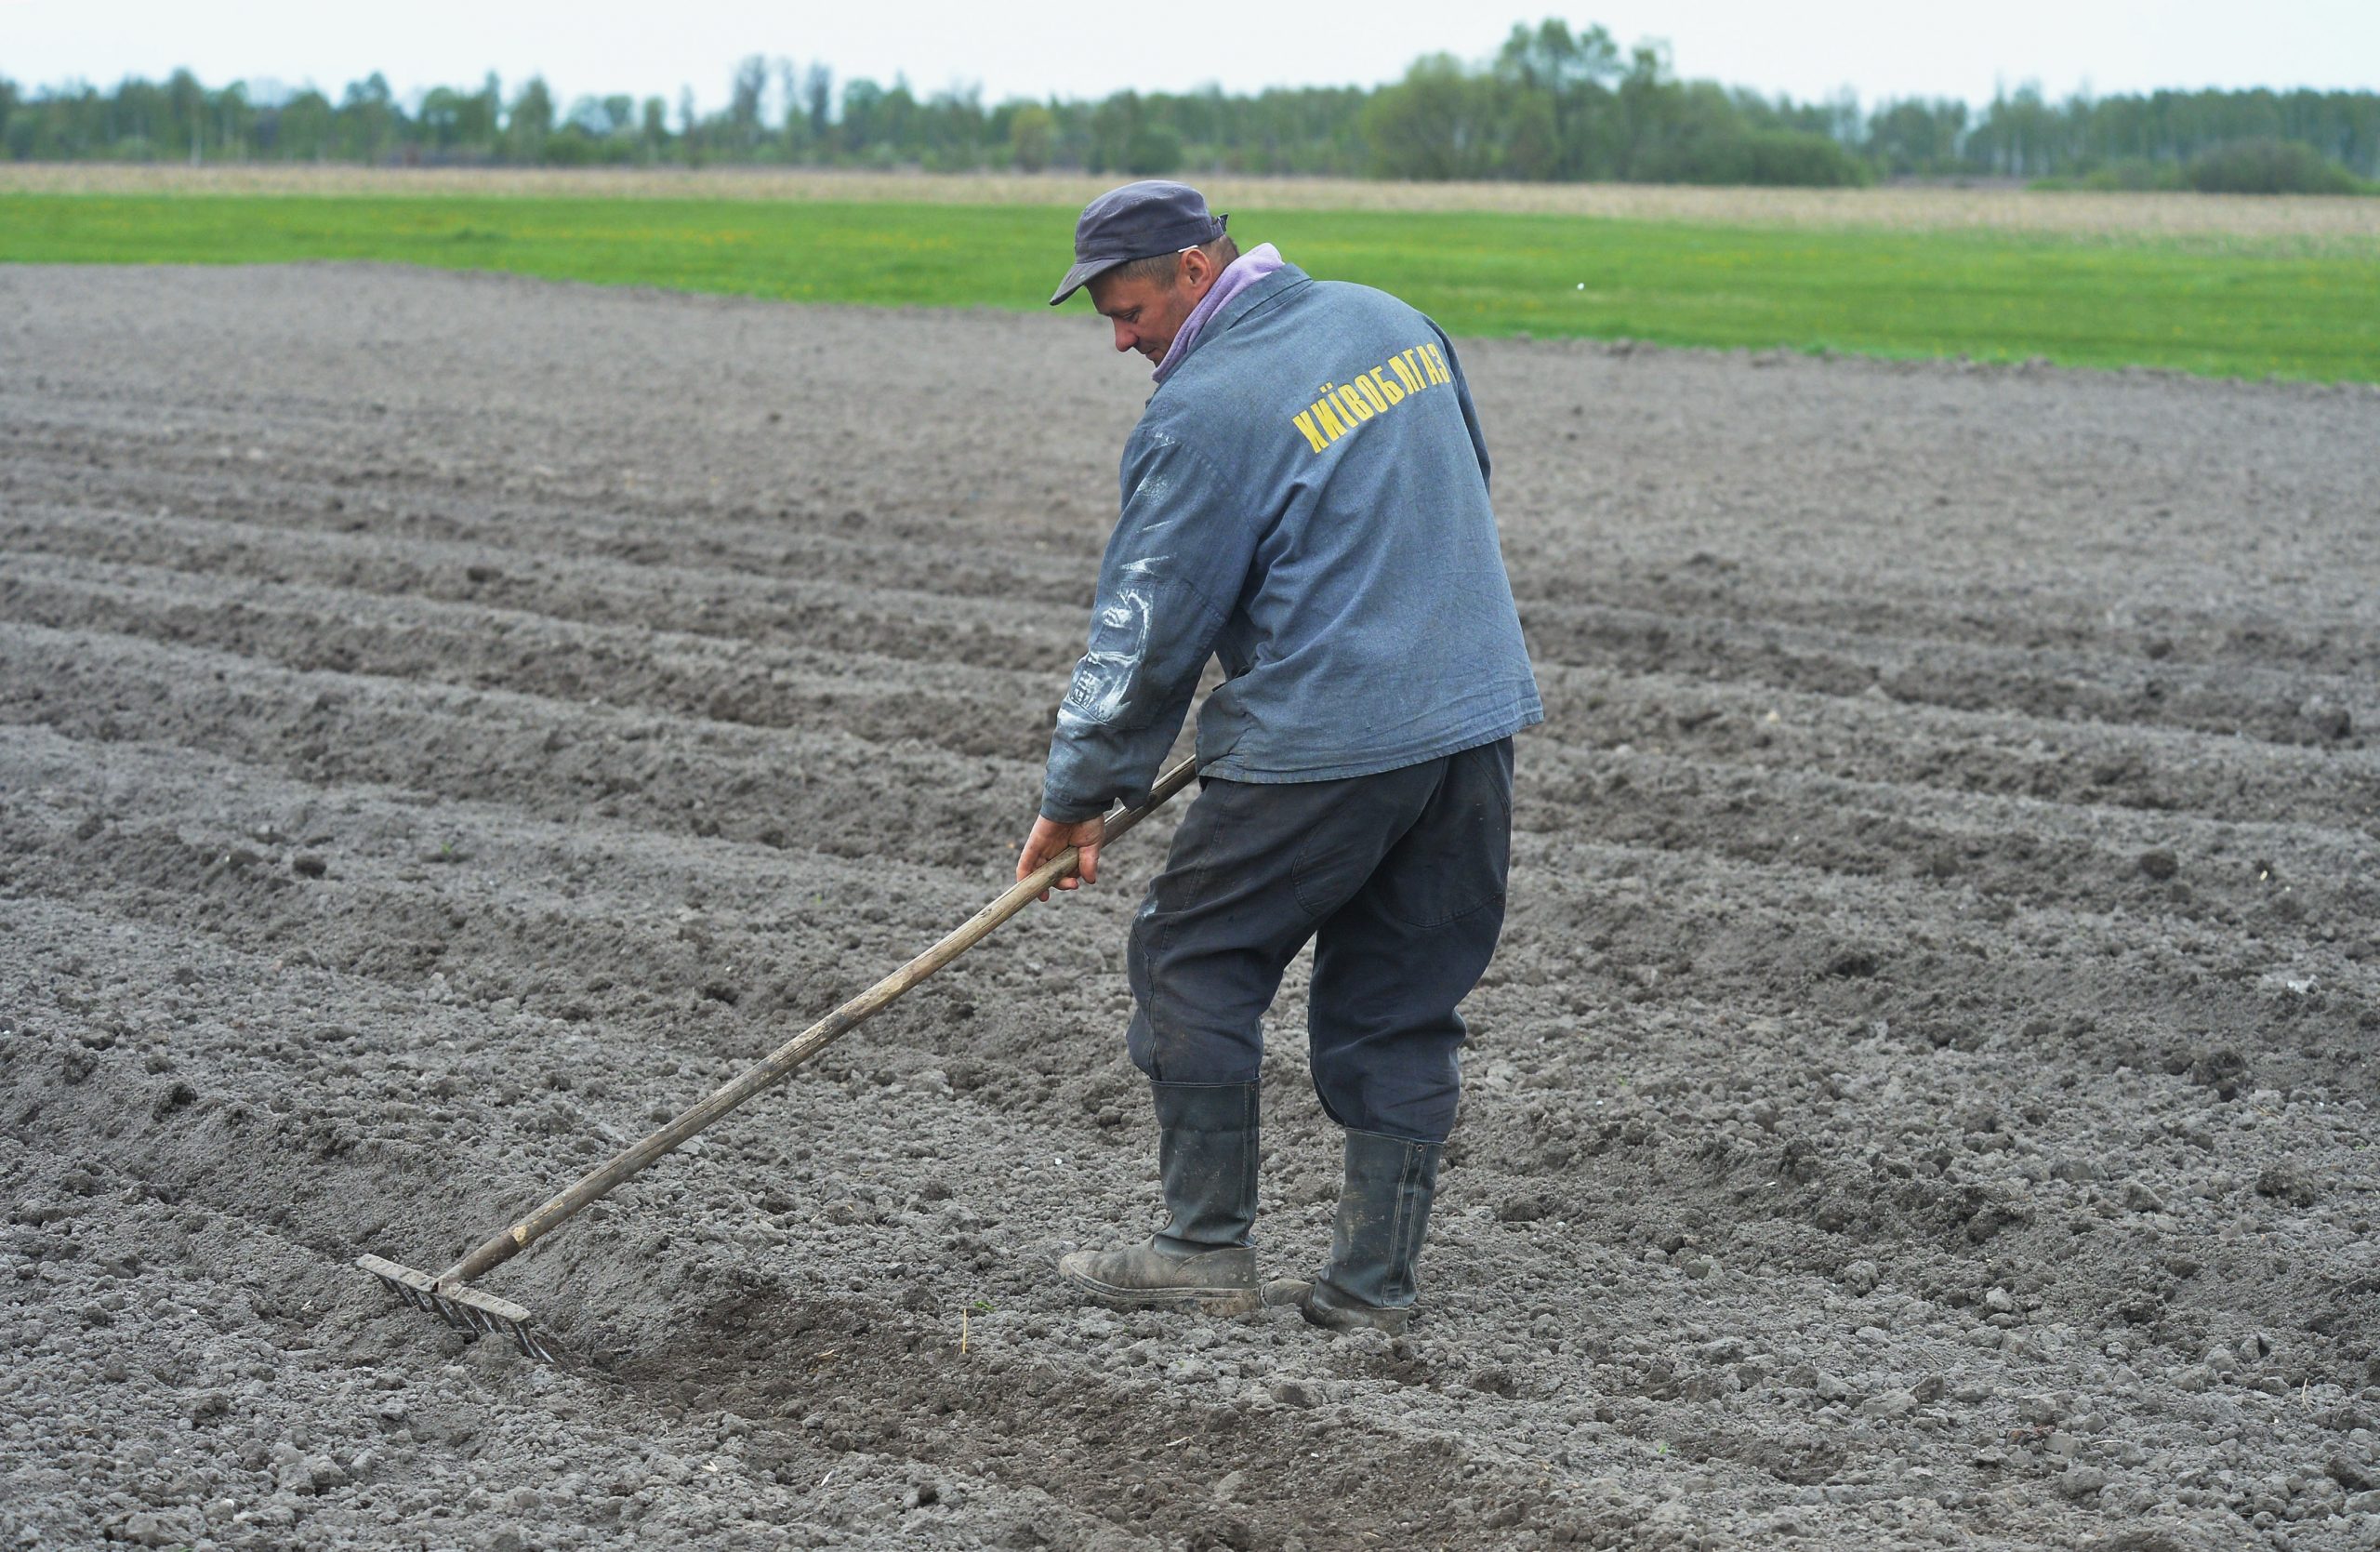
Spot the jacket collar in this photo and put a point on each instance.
(1263, 294)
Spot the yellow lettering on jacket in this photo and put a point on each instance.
(1371, 394)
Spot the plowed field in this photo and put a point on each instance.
(449, 723)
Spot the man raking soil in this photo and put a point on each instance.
(1304, 498)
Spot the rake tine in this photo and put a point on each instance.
(465, 1308)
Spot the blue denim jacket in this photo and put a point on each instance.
(1306, 498)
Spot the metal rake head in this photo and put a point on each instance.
(465, 1308)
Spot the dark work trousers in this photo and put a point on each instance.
(1399, 877)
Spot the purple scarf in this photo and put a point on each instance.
(1243, 273)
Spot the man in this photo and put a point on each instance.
(1306, 498)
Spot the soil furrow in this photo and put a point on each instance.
(2292, 706)
(48, 470)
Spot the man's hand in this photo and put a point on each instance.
(1049, 838)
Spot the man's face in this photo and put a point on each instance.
(1147, 313)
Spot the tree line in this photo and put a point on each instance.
(1552, 105)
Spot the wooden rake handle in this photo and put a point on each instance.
(779, 1062)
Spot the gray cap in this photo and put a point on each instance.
(1137, 221)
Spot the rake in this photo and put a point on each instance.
(449, 1294)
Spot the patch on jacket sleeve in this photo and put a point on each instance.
(1345, 406)
(1102, 680)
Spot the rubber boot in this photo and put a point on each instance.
(1201, 1259)
(1384, 1211)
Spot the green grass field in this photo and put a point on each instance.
(2242, 309)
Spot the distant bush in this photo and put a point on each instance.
(1031, 135)
(1811, 161)
(2134, 175)
(569, 147)
(1758, 157)
(1154, 150)
(2265, 166)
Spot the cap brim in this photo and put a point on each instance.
(1081, 275)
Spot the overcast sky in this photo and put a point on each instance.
(1812, 48)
